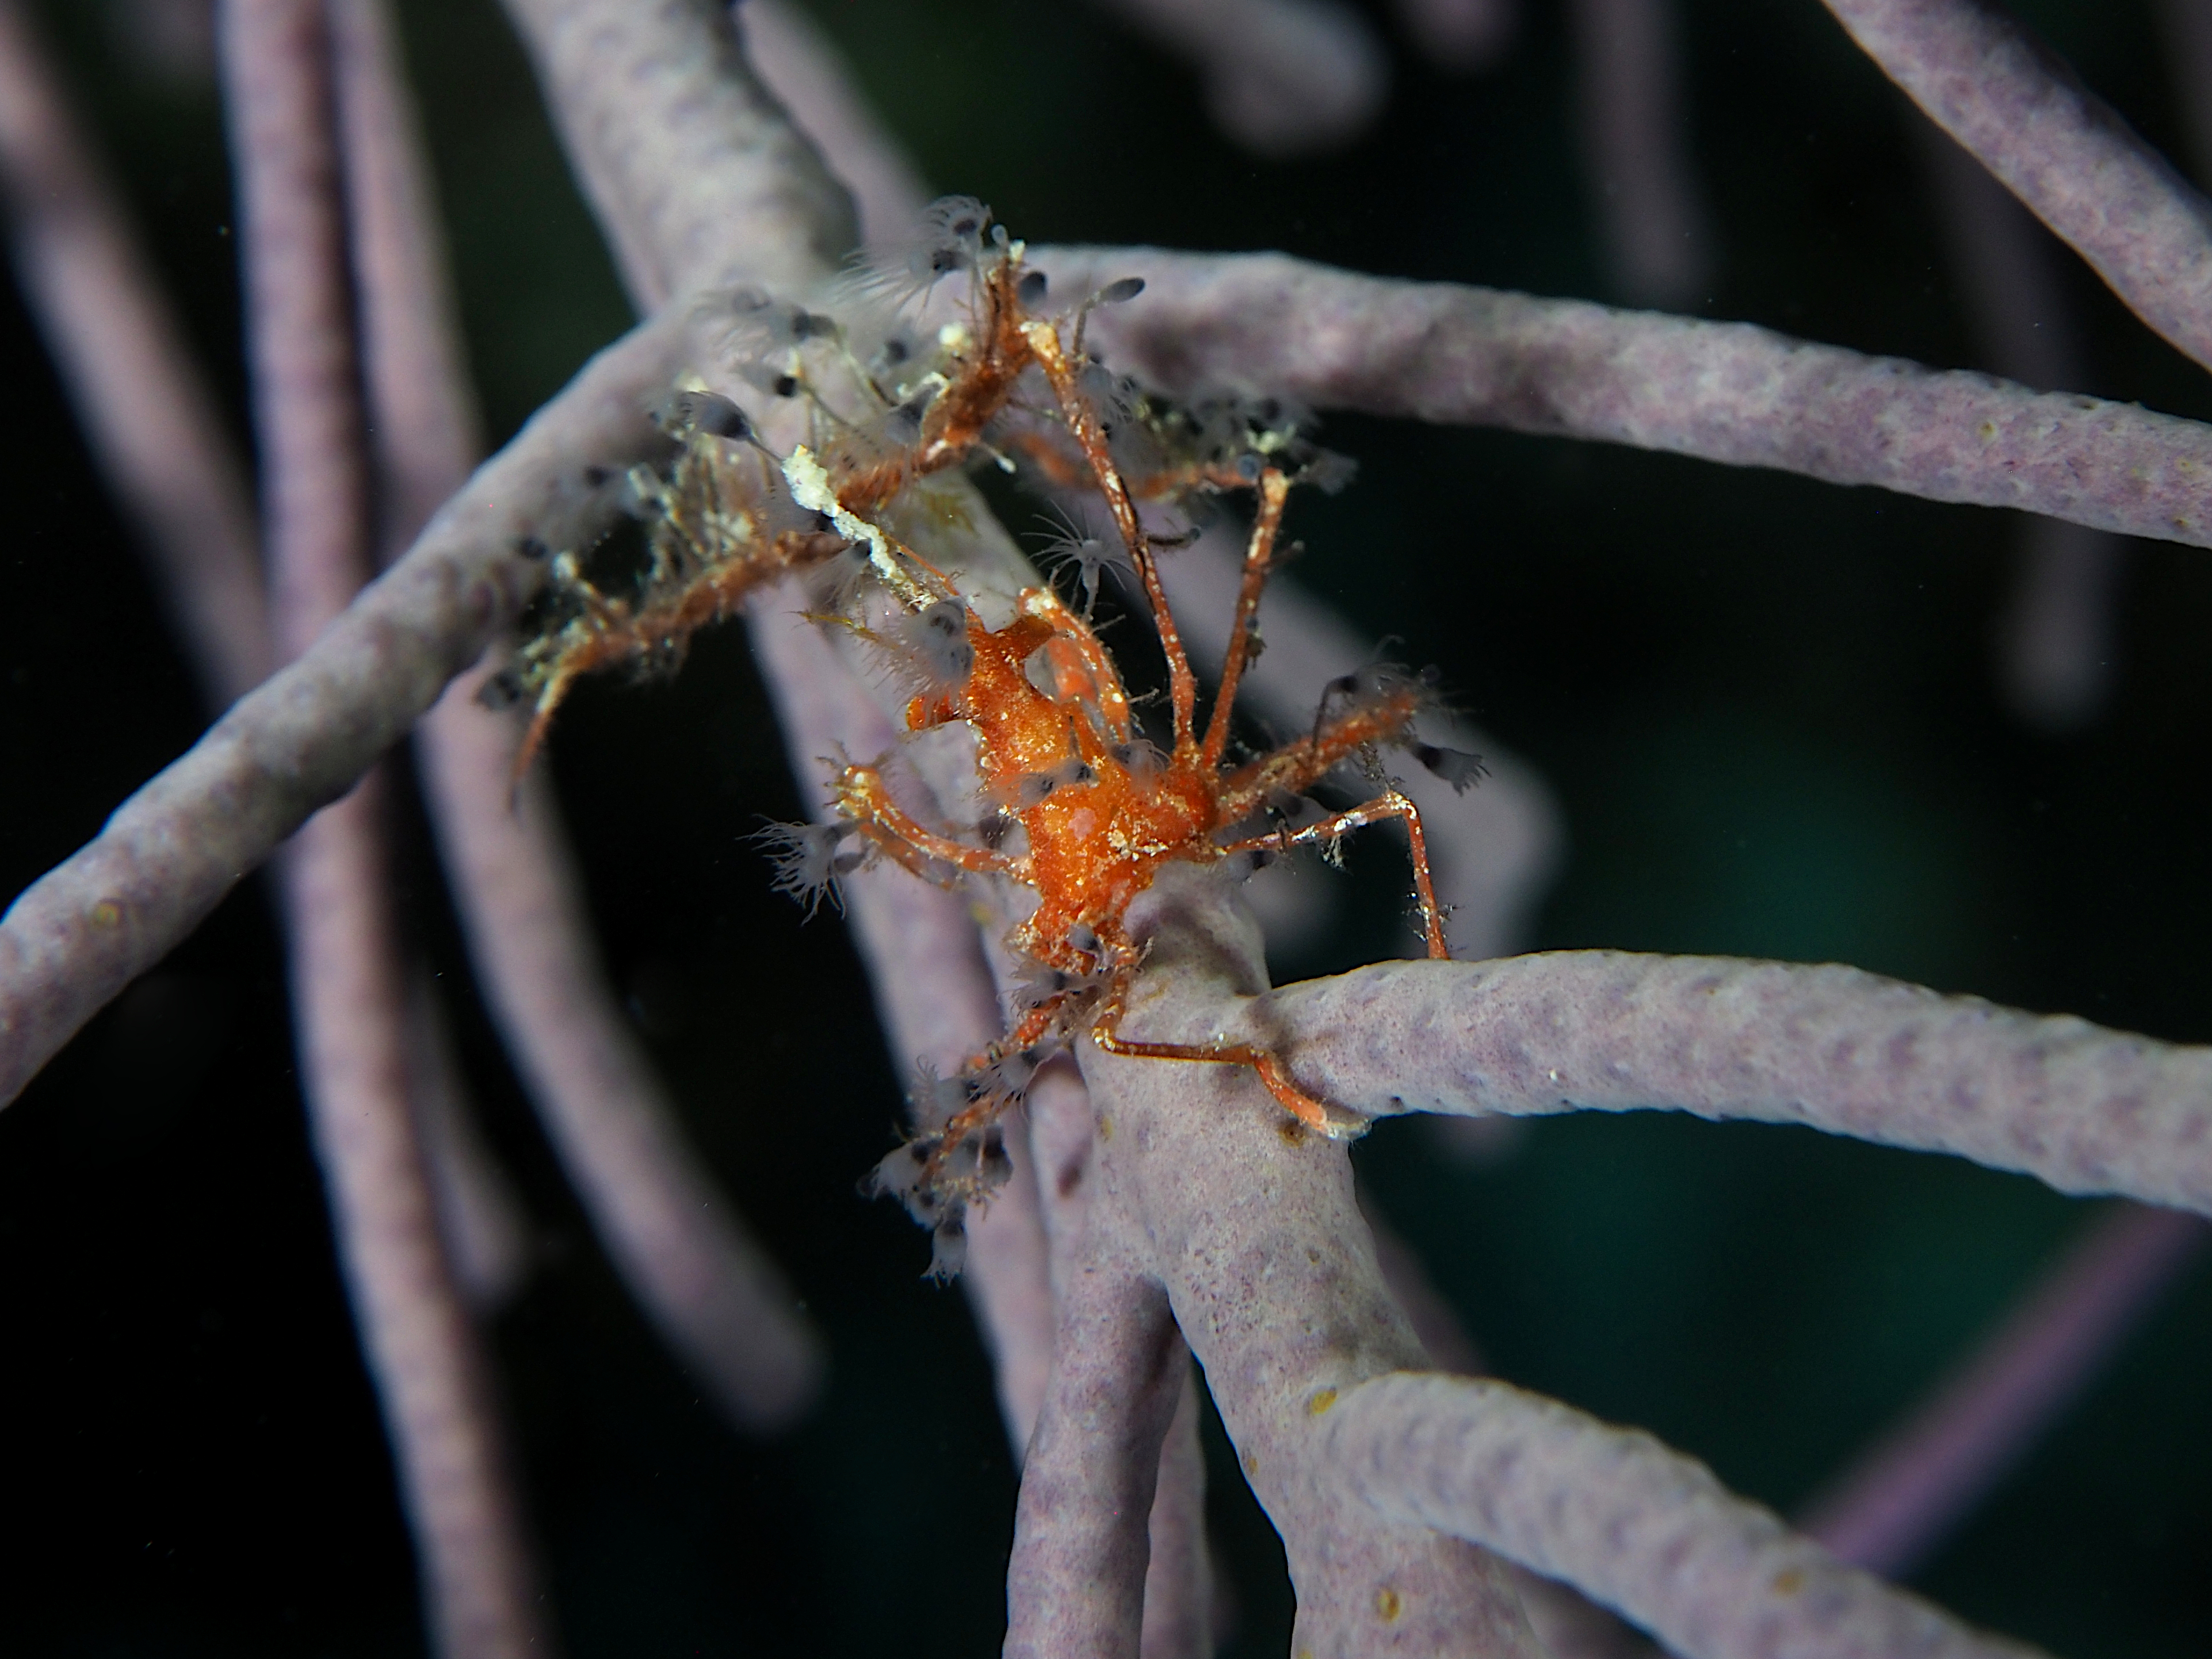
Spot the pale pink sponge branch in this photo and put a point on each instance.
(1637, 1527)
(1282, 78)
(151, 424)
(1890, 1512)
(677, 1243)
(168, 854)
(1637, 159)
(2080, 1107)
(1732, 393)
(2006, 98)
(1197, 1207)
(349, 1000)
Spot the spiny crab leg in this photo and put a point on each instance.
(1307, 1109)
(1337, 825)
(1259, 558)
(1083, 422)
(863, 799)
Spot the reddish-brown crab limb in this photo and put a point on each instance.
(1296, 767)
(1083, 422)
(2080, 1107)
(1259, 558)
(1272, 1072)
(863, 797)
(1332, 829)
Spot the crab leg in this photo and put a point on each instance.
(1297, 766)
(1308, 1110)
(862, 798)
(1083, 422)
(1259, 557)
(1332, 829)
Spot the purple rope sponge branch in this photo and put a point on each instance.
(932, 991)
(1898, 1502)
(683, 1252)
(2080, 1107)
(691, 167)
(765, 204)
(1462, 34)
(2055, 641)
(349, 997)
(1637, 1526)
(802, 67)
(300, 342)
(1082, 1539)
(480, 1215)
(685, 1255)
(479, 1586)
(1249, 1221)
(168, 854)
(429, 434)
(2059, 147)
(930, 978)
(148, 420)
(1636, 149)
(2185, 28)
(1283, 77)
(1731, 392)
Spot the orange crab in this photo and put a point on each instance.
(1100, 810)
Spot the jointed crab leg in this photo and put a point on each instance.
(1259, 557)
(1106, 1034)
(863, 798)
(1083, 423)
(1296, 767)
(1104, 692)
(1333, 828)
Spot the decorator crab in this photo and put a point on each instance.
(1083, 810)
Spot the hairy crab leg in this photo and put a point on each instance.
(1083, 423)
(1333, 828)
(1297, 766)
(1112, 702)
(1259, 559)
(862, 798)
(1272, 1073)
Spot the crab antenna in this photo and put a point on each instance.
(1259, 557)
(1083, 422)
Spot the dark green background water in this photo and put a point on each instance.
(1765, 704)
